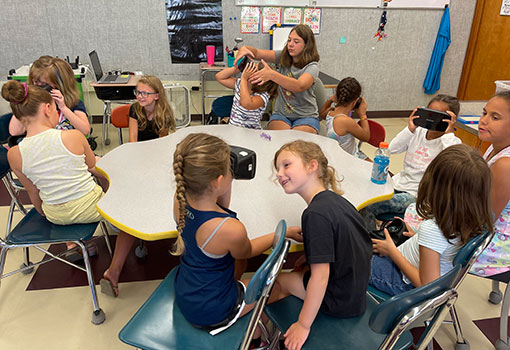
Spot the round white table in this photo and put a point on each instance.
(140, 198)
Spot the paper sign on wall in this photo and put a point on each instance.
(292, 15)
(270, 16)
(312, 18)
(250, 19)
(505, 8)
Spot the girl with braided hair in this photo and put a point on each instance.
(210, 235)
(337, 110)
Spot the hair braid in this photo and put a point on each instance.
(181, 198)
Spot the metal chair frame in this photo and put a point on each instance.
(98, 315)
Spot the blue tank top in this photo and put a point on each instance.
(205, 288)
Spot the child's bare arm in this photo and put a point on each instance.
(226, 77)
(326, 107)
(133, 130)
(298, 332)
(500, 189)
(15, 162)
(78, 119)
(15, 126)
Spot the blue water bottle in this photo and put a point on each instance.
(381, 164)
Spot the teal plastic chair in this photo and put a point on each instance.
(382, 326)
(159, 324)
(464, 259)
(13, 186)
(34, 230)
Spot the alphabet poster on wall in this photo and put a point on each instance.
(292, 15)
(192, 25)
(270, 16)
(312, 18)
(250, 19)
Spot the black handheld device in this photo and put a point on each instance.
(431, 119)
(46, 87)
(243, 163)
(242, 63)
(358, 102)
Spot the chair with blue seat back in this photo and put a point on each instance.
(159, 324)
(464, 259)
(382, 326)
(34, 230)
(12, 186)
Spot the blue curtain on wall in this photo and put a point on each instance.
(432, 81)
(192, 25)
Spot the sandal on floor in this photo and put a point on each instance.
(108, 288)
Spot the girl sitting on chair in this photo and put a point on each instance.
(454, 202)
(150, 116)
(210, 235)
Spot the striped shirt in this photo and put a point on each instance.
(430, 236)
(240, 116)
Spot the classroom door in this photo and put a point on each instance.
(488, 53)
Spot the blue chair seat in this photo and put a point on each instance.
(379, 295)
(343, 333)
(35, 229)
(159, 324)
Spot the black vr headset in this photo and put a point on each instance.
(243, 162)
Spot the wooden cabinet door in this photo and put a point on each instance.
(488, 54)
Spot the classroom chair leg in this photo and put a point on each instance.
(495, 295)
(462, 343)
(98, 315)
(107, 237)
(3, 254)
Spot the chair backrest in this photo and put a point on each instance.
(389, 314)
(120, 116)
(377, 133)
(266, 272)
(222, 106)
(467, 255)
(320, 93)
(4, 127)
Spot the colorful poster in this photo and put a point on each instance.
(292, 15)
(250, 19)
(312, 18)
(270, 16)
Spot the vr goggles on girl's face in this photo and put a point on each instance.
(243, 162)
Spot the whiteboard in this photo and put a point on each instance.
(426, 4)
(279, 37)
(295, 3)
(347, 3)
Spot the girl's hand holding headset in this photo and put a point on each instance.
(263, 75)
(451, 122)
(362, 109)
(243, 51)
(412, 127)
(58, 98)
(384, 247)
(249, 70)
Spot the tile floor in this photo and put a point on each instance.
(60, 318)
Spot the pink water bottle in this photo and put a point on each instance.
(209, 50)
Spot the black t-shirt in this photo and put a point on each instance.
(149, 133)
(334, 232)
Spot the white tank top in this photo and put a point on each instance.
(60, 175)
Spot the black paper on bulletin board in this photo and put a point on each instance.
(192, 25)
